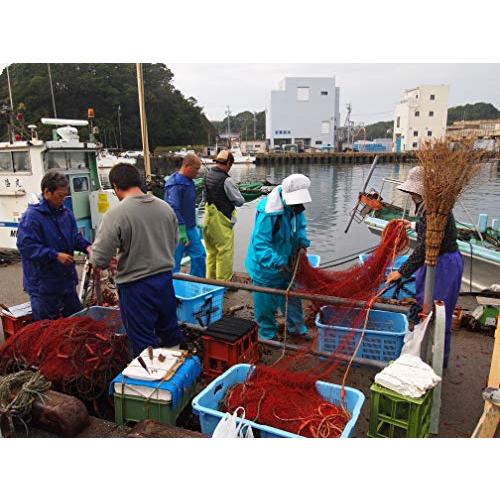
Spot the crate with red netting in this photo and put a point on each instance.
(228, 342)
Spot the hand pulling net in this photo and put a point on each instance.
(79, 355)
(285, 396)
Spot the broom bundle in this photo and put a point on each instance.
(448, 169)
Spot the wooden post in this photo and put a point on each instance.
(144, 126)
(488, 423)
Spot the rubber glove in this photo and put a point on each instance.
(183, 237)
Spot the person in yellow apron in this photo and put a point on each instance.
(221, 196)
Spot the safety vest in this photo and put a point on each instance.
(213, 187)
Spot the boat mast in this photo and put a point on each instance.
(52, 91)
(11, 124)
(144, 126)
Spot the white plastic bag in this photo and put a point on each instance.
(229, 428)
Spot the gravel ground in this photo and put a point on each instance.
(463, 382)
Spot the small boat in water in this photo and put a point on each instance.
(478, 244)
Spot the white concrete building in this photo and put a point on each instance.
(421, 115)
(303, 110)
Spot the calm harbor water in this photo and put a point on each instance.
(334, 191)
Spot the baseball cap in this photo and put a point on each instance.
(295, 189)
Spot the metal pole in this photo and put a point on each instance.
(324, 299)
(120, 125)
(144, 126)
(430, 278)
(368, 177)
(324, 354)
(52, 91)
(10, 90)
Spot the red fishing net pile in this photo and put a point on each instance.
(287, 401)
(79, 355)
(285, 395)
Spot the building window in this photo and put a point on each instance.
(319, 142)
(398, 121)
(431, 113)
(417, 113)
(415, 133)
(414, 145)
(324, 92)
(429, 133)
(80, 184)
(302, 93)
(325, 127)
(433, 97)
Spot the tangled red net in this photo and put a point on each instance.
(79, 355)
(285, 396)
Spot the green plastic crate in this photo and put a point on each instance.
(393, 415)
(136, 409)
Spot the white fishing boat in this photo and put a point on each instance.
(106, 161)
(239, 157)
(25, 160)
(479, 243)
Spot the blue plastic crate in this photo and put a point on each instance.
(407, 288)
(383, 339)
(109, 314)
(206, 404)
(314, 260)
(198, 304)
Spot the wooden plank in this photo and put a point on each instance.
(152, 429)
(494, 377)
(487, 425)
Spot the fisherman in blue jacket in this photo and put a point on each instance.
(180, 194)
(47, 239)
(278, 236)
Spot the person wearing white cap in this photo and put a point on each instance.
(221, 196)
(450, 263)
(278, 235)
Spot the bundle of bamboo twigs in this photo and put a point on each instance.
(448, 169)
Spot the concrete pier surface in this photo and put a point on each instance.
(464, 380)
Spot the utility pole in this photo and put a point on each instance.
(228, 127)
(52, 91)
(120, 125)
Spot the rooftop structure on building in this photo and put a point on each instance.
(303, 111)
(419, 116)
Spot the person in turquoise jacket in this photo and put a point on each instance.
(278, 235)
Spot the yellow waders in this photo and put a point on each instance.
(219, 243)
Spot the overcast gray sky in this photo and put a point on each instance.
(373, 89)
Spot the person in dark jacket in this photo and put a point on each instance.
(180, 194)
(47, 239)
(449, 267)
(222, 196)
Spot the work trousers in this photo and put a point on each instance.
(54, 305)
(449, 270)
(219, 242)
(196, 252)
(266, 306)
(148, 312)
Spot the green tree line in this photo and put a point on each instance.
(243, 123)
(108, 88)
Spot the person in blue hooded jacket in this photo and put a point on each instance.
(180, 194)
(278, 236)
(47, 239)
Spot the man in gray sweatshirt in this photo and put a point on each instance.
(142, 231)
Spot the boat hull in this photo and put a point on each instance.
(481, 266)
